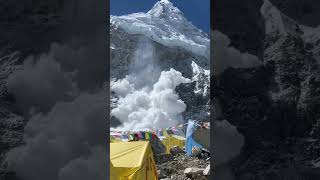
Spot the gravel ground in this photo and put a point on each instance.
(172, 166)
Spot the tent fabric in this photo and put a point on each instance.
(165, 133)
(134, 136)
(190, 142)
(178, 132)
(132, 161)
(172, 141)
(202, 136)
(162, 132)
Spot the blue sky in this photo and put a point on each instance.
(196, 11)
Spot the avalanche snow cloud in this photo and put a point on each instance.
(61, 94)
(225, 56)
(159, 107)
(63, 133)
(63, 142)
(227, 142)
(40, 83)
(147, 97)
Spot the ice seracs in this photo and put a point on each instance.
(202, 79)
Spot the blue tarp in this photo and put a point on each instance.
(190, 143)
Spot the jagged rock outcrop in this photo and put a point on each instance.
(11, 121)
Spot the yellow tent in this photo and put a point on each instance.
(173, 140)
(132, 161)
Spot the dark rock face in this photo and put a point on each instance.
(275, 106)
(242, 22)
(242, 98)
(26, 10)
(303, 11)
(294, 73)
(11, 121)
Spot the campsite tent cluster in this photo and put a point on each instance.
(169, 137)
(131, 152)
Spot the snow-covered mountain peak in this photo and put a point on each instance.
(165, 24)
(277, 23)
(165, 8)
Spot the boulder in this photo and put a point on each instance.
(193, 171)
(206, 171)
(160, 174)
(176, 150)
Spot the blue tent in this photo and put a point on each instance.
(190, 142)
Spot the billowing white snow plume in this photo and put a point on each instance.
(63, 141)
(166, 25)
(144, 70)
(63, 138)
(147, 97)
(40, 83)
(64, 125)
(64, 122)
(227, 142)
(144, 108)
(225, 56)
